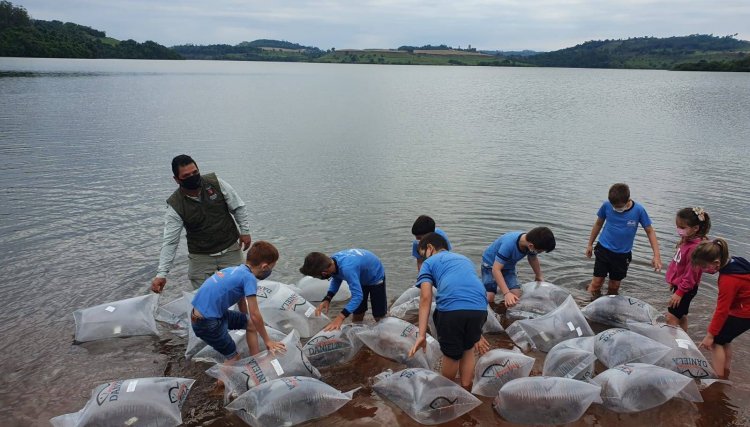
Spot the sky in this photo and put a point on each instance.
(541, 25)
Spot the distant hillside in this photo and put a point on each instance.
(257, 50)
(703, 65)
(644, 52)
(22, 36)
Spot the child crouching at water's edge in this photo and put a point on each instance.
(732, 315)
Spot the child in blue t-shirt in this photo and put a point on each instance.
(423, 226)
(620, 217)
(461, 306)
(211, 318)
(365, 275)
(500, 258)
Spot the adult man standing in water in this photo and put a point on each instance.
(207, 208)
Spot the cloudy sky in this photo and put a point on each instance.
(485, 24)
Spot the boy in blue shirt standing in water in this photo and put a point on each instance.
(461, 307)
(620, 217)
(423, 226)
(500, 258)
(365, 275)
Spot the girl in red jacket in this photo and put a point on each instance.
(732, 315)
(683, 278)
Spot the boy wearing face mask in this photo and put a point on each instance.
(207, 207)
(619, 216)
(211, 318)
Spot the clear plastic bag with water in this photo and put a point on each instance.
(133, 402)
(537, 299)
(176, 314)
(685, 357)
(124, 318)
(263, 367)
(333, 347)
(288, 401)
(313, 289)
(497, 367)
(425, 395)
(617, 346)
(573, 358)
(636, 387)
(545, 400)
(284, 309)
(392, 338)
(407, 305)
(209, 355)
(544, 332)
(616, 310)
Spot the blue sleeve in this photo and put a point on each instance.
(504, 253)
(334, 286)
(425, 275)
(414, 251)
(251, 286)
(643, 218)
(355, 287)
(602, 212)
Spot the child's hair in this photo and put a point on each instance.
(262, 252)
(437, 241)
(423, 225)
(315, 262)
(181, 160)
(619, 194)
(708, 252)
(542, 238)
(696, 216)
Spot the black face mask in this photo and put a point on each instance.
(192, 182)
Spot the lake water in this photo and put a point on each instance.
(329, 157)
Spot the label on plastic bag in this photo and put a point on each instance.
(544, 336)
(571, 327)
(682, 343)
(131, 386)
(110, 309)
(579, 331)
(277, 367)
(309, 311)
(131, 421)
(117, 329)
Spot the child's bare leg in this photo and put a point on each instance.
(491, 297)
(358, 317)
(684, 323)
(251, 338)
(613, 287)
(728, 363)
(466, 368)
(450, 367)
(595, 287)
(719, 360)
(672, 320)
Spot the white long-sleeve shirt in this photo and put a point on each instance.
(173, 226)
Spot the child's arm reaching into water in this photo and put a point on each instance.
(656, 260)
(594, 232)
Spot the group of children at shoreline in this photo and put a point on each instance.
(462, 297)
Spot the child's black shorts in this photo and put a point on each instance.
(378, 300)
(733, 327)
(611, 263)
(458, 330)
(684, 305)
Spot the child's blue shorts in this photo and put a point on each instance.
(510, 276)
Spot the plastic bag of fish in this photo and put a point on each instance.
(265, 366)
(208, 354)
(133, 402)
(407, 305)
(284, 309)
(545, 400)
(176, 314)
(544, 332)
(333, 347)
(573, 358)
(635, 387)
(392, 338)
(497, 367)
(616, 310)
(288, 401)
(425, 395)
(124, 318)
(617, 346)
(313, 289)
(537, 299)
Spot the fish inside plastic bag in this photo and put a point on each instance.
(685, 357)
(313, 289)
(635, 387)
(617, 346)
(288, 401)
(208, 354)
(544, 332)
(616, 310)
(332, 347)
(573, 358)
(545, 400)
(425, 395)
(537, 299)
(393, 338)
(265, 366)
(124, 318)
(497, 367)
(284, 309)
(133, 402)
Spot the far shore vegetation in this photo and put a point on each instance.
(20, 35)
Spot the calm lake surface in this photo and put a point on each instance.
(329, 157)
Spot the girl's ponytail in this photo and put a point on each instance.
(708, 252)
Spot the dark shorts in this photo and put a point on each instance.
(682, 308)
(458, 331)
(611, 263)
(733, 327)
(378, 299)
(215, 332)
